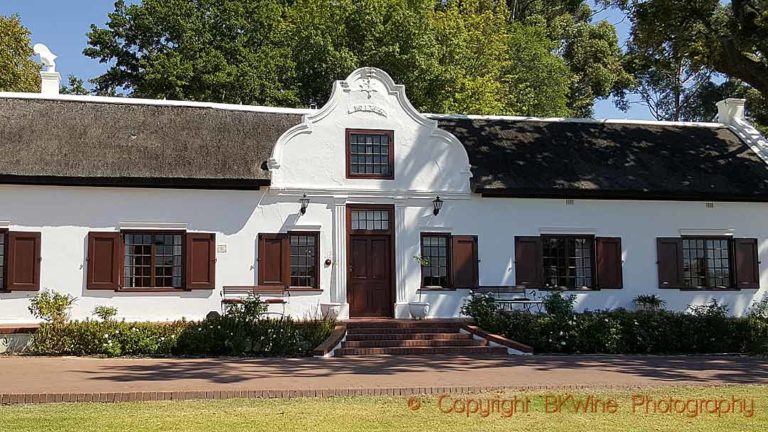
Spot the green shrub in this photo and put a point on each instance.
(556, 304)
(105, 313)
(243, 330)
(51, 306)
(649, 301)
(214, 336)
(759, 308)
(228, 335)
(250, 309)
(483, 309)
(706, 329)
(109, 338)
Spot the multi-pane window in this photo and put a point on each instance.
(568, 261)
(153, 260)
(707, 263)
(434, 256)
(2, 260)
(304, 260)
(370, 154)
(370, 220)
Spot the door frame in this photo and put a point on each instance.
(390, 232)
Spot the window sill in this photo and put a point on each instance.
(567, 289)
(304, 289)
(266, 289)
(705, 289)
(500, 289)
(241, 301)
(369, 177)
(430, 289)
(151, 290)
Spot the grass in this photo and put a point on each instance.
(385, 413)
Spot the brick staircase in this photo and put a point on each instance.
(405, 337)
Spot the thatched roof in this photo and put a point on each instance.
(527, 158)
(131, 143)
(82, 142)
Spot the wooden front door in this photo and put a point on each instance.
(370, 272)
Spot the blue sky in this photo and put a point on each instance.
(62, 25)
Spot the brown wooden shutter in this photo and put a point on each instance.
(104, 258)
(528, 270)
(201, 261)
(464, 261)
(23, 260)
(746, 263)
(670, 262)
(608, 258)
(274, 260)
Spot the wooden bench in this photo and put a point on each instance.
(269, 295)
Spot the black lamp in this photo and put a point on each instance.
(304, 203)
(437, 203)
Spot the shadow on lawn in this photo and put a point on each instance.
(691, 369)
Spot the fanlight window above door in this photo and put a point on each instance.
(370, 220)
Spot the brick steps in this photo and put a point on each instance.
(408, 336)
(405, 337)
(472, 350)
(389, 323)
(400, 330)
(385, 343)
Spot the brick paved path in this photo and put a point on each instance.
(54, 379)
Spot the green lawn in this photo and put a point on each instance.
(389, 413)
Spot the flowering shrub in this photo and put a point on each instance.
(105, 313)
(109, 338)
(706, 329)
(245, 330)
(242, 331)
(226, 335)
(51, 306)
(217, 335)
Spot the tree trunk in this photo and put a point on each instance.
(731, 61)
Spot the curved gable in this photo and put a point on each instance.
(313, 154)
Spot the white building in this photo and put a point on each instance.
(159, 207)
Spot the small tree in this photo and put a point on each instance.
(105, 313)
(51, 306)
(248, 310)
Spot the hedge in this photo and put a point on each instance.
(560, 330)
(243, 330)
(214, 336)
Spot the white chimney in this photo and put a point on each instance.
(51, 80)
(729, 110)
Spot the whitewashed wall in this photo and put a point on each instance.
(309, 158)
(64, 215)
(497, 220)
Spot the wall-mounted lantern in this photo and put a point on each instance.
(437, 204)
(304, 203)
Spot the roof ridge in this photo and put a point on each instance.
(573, 120)
(156, 102)
(302, 111)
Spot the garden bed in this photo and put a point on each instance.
(243, 330)
(702, 330)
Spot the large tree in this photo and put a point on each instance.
(668, 85)
(473, 54)
(686, 55)
(730, 38)
(589, 49)
(467, 56)
(213, 50)
(330, 38)
(457, 56)
(18, 70)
